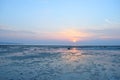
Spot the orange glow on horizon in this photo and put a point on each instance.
(66, 35)
(74, 35)
(74, 40)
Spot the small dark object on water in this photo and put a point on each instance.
(68, 48)
(21, 73)
(35, 49)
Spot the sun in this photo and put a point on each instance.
(74, 40)
(73, 35)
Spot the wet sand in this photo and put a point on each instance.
(59, 63)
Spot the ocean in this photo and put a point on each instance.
(35, 62)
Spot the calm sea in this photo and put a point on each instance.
(28, 62)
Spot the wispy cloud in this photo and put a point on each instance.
(64, 35)
(6, 33)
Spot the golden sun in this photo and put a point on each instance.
(74, 40)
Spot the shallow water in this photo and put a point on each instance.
(59, 63)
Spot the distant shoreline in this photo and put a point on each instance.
(59, 45)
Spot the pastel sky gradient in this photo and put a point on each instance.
(81, 22)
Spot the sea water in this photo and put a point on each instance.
(28, 62)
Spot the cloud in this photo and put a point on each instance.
(69, 35)
(11, 34)
(66, 34)
(111, 33)
(108, 21)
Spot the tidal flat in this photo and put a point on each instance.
(28, 62)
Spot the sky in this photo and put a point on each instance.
(60, 22)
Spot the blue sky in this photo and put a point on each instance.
(60, 21)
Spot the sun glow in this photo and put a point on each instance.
(71, 35)
(74, 35)
(74, 40)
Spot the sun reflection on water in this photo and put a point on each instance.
(72, 55)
